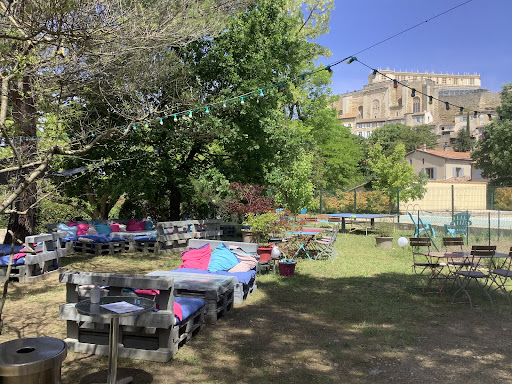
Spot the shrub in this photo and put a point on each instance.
(503, 199)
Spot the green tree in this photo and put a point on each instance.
(389, 135)
(492, 153)
(464, 143)
(392, 172)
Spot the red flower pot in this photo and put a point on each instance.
(265, 254)
(287, 267)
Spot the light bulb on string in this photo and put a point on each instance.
(430, 99)
(461, 110)
(242, 101)
(224, 104)
(207, 110)
(281, 88)
(374, 74)
(189, 114)
(489, 116)
(261, 93)
(161, 121)
(413, 92)
(395, 84)
(447, 105)
(351, 60)
(134, 126)
(303, 77)
(328, 69)
(146, 125)
(175, 118)
(475, 113)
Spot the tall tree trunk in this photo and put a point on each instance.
(174, 194)
(24, 117)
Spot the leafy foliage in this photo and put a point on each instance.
(503, 198)
(249, 199)
(464, 143)
(492, 154)
(392, 173)
(390, 135)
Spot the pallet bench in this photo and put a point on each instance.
(241, 291)
(40, 264)
(152, 336)
(217, 290)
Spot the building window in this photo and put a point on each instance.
(456, 81)
(458, 172)
(418, 119)
(375, 107)
(416, 105)
(340, 112)
(479, 174)
(443, 80)
(380, 123)
(399, 102)
(463, 119)
(471, 81)
(360, 110)
(430, 173)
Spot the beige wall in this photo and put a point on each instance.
(467, 196)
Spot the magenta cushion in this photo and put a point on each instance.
(197, 258)
(178, 312)
(115, 227)
(72, 224)
(82, 229)
(136, 225)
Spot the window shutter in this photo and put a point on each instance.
(454, 172)
(461, 172)
(435, 173)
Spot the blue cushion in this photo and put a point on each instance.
(102, 229)
(189, 305)
(222, 259)
(4, 260)
(148, 226)
(70, 231)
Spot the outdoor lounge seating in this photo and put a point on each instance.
(155, 336)
(501, 274)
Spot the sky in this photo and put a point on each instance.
(473, 38)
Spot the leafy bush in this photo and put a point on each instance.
(367, 202)
(50, 212)
(503, 198)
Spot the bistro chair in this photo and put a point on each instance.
(501, 274)
(476, 271)
(421, 260)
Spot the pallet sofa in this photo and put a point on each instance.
(175, 235)
(41, 260)
(154, 336)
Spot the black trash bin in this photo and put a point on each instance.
(32, 360)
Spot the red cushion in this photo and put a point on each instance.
(136, 225)
(72, 224)
(178, 312)
(198, 258)
(115, 227)
(82, 229)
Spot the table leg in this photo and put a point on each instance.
(113, 348)
(343, 225)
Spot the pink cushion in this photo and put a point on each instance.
(114, 227)
(247, 262)
(72, 224)
(135, 225)
(82, 229)
(178, 312)
(197, 258)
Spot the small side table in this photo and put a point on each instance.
(85, 307)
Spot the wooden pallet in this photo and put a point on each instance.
(152, 336)
(147, 246)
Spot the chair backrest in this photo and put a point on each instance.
(303, 211)
(461, 222)
(420, 242)
(412, 218)
(483, 250)
(453, 242)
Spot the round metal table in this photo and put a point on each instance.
(32, 360)
(85, 307)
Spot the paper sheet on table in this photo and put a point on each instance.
(121, 307)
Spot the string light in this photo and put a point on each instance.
(146, 125)
(242, 101)
(207, 110)
(261, 92)
(474, 114)
(161, 121)
(395, 84)
(430, 99)
(189, 114)
(329, 69)
(489, 116)
(351, 60)
(447, 105)
(281, 88)
(374, 74)
(134, 126)
(224, 104)
(175, 118)
(461, 110)
(413, 92)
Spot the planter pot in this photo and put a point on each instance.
(249, 237)
(287, 268)
(265, 253)
(384, 241)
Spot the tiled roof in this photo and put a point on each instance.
(446, 154)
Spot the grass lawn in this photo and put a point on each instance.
(361, 319)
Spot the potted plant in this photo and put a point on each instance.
(384, 238)
(259, 226)
(287, 267)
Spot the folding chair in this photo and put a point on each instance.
(476, 271)
(325, 245)
(502, 274)
(421, 259)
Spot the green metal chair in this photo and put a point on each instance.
(459, 225)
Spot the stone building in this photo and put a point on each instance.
(379, 103)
